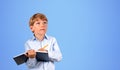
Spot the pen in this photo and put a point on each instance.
(45, 46)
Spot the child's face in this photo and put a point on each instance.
(39, 27)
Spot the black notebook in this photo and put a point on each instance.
(20, 59)
(40, 56)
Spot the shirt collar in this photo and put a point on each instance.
(45, 37)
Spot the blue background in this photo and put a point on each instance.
(88, 32)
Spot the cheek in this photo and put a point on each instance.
(46, 27)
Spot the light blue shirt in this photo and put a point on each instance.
(53, 52)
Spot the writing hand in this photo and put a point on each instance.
(42, 49)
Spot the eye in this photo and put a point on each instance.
(38, 23)
(44, 22)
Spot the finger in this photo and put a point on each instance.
(26, 54)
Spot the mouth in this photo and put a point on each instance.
(42, 29)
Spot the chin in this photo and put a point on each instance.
(42, 33)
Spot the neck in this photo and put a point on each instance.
(40, 37)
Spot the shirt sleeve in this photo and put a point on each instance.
(54, 52)
(31, 62)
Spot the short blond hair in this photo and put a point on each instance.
(36, 17)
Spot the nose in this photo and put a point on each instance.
(44, 23)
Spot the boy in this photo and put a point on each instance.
(38, 24)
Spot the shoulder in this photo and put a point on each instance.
(52, 40)
(30, 40)
(50, 37)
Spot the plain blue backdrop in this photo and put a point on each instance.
(88, 32)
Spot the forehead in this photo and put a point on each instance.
(39, 19)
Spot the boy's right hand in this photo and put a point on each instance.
(31, 53)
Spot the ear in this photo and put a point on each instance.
(31, 27)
